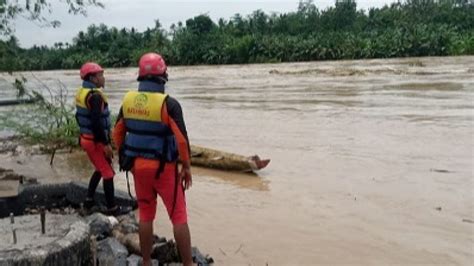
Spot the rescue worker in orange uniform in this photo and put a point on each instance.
(93, 117)
(151, 131)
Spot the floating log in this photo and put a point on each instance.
(7, 102)
(210, 158)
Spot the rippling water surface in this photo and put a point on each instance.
(363, 153)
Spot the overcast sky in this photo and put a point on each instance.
(142, 14)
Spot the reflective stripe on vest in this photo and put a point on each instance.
(147, 136)
(83, 114)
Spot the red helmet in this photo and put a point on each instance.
(151, 64)
(90, 68)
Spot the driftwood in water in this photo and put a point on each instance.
(211, 158)
(15, 101)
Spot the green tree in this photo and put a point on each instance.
(34, 10)
(403, 28)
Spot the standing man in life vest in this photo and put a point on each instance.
(93, 117)
(151, 131)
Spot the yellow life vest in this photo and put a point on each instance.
(82, 93)
(83, 114)
(144, 106)
(147, 136)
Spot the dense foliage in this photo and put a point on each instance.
(405, 28)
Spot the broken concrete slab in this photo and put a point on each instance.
(65, 242)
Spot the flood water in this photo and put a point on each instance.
(372, 161)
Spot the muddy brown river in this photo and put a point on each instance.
(372, 161)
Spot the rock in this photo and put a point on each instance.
(111, 253)
(128, 223)
(131, 241)
(157, 239)
(164, 252)
(134, 260)
(113, 221)
(197, 255)
(129, 228)
(7, 147)
(127, 217)
(69, 210)
(19, 150)
(100, 225)
(200, 259)
(438, 208)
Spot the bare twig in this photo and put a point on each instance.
(52, 157)
(225, 254)
(240, 247)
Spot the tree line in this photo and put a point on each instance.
(401, 29)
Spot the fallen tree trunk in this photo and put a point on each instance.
(15, 101)
(210, 158)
